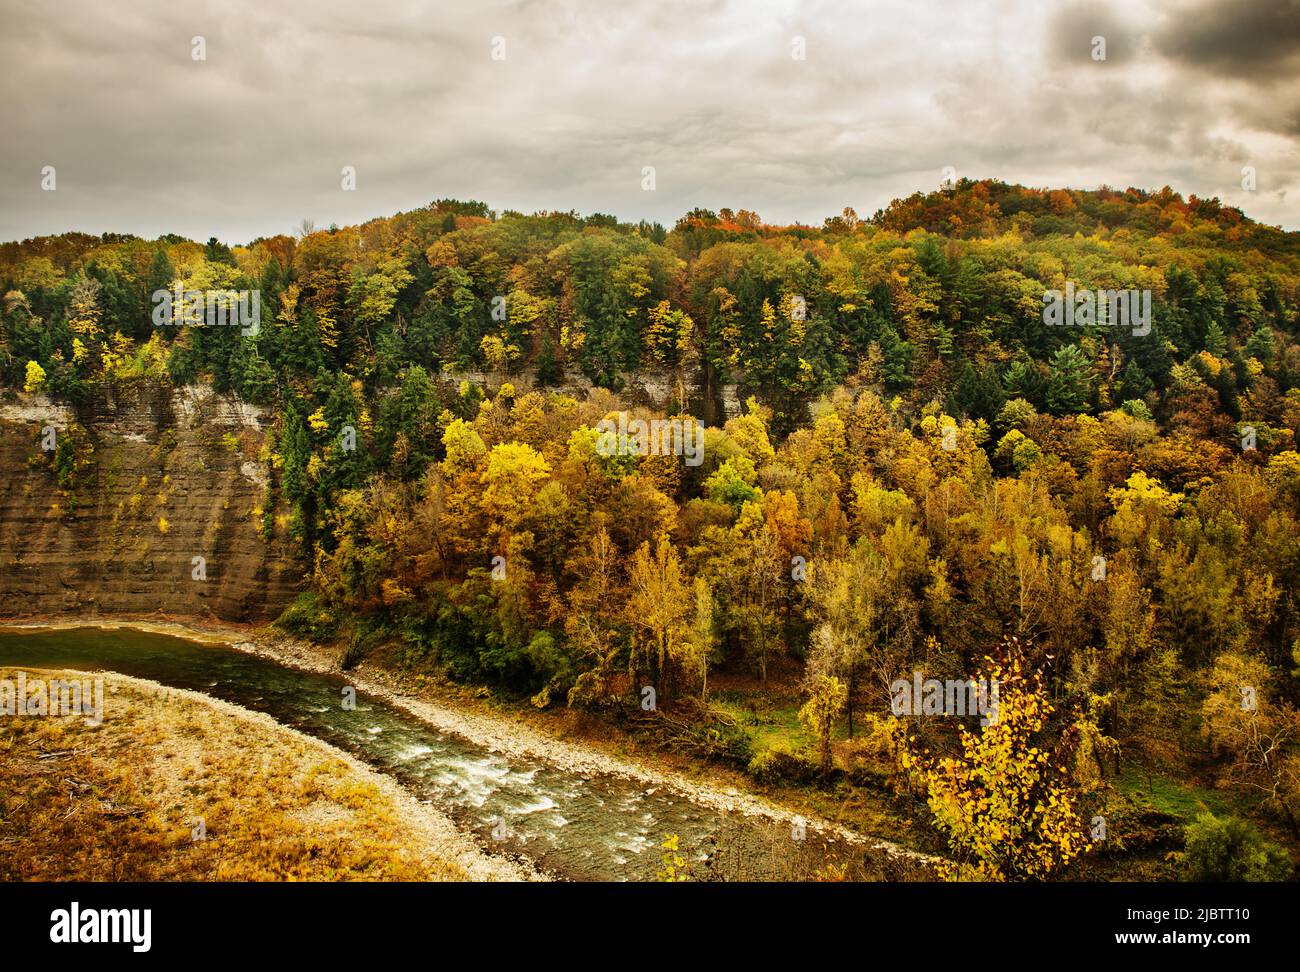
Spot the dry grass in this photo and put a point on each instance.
(119, 801)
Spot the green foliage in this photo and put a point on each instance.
(1229, 849)
(74, 457)
(308, 617)
(776, 765)
(732, 483)
(1068, 386)
(1138, 409)
(856, 342)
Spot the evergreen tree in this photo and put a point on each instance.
(549, 371)
(1261, 344)
(1133, 382)
(1068, 388)
(897, 355)
(1023, 380)
(978, 393)
(1215, 341)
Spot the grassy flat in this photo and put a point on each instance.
(121, 801)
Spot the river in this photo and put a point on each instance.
(587, 827)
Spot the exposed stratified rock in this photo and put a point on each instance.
(659, 389)
(171, 475)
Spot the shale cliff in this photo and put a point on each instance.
(105, 508)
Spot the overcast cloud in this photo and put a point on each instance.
(147, 140)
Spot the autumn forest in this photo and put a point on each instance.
(906, 473)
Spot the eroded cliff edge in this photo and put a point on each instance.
(150, 477)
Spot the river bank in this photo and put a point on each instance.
(177, 785)
(511, 736)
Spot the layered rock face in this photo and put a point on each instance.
(151, 479)
(652, 388)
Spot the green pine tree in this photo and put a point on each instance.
(1068, 386)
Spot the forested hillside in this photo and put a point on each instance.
(926, 477)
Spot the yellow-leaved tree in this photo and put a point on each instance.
(34, 379)
(659, 609)
(514, 473)
(826, 698)
(1007, 802)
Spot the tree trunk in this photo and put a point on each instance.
(853, 684)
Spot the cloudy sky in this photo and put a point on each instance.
(252, 140)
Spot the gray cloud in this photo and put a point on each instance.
(252, 140)
(1257, 40)
(1074, 27)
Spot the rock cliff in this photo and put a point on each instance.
(139, 483)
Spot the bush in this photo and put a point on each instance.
(781, 766)
(722, 743)
(361, 642)
(307, 618)
(1229, 849)
(872, 757)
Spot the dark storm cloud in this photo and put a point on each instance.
(1252, 39)
(1072, 30)
(252, 140)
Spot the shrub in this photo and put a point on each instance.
(781, 766)
(1137, 409)
(1229, 849)
(308, 618)
(719, 741)
(367, 634)
(872, 757)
